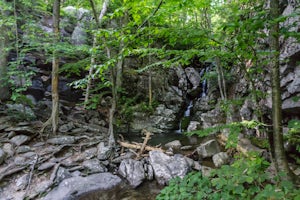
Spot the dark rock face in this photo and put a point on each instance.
(72, 188)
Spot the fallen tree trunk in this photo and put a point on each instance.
(139, 146)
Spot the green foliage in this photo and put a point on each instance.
(244, 179)
(293, 135)
(234, 129)
(260, 142)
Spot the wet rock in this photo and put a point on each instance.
(103, 151)
(22, 182)
(72, 188)
(166, 167)
(2, 156)
(23, 149)
(220, 159)
(176, 144)
(208, 149)
(133, 171)
(62, 174)
(94, 166)
(8, 149)
(62, 140)
(20, 139)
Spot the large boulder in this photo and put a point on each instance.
(167, 167)
(72, 188)
(133, 171)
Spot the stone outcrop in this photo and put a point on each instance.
(133, 171)
(74, 187)
(166, 167)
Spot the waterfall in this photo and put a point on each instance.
(186, 118)
(187, 112)
(204, 82)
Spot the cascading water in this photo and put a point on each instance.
(204, 82)
(186, 117)
(187, 112)
(183, 123)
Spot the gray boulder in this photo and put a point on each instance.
(208, 149)
(220, 159)
(167, 167)
(133, 171)
(72, 188)
(20, 139)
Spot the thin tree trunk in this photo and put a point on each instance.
(4, 90)
(93, 56)
(53, 120)
(55, 67)
(280, 157)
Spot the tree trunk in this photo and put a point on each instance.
(279, 157)
(93, 56)
(116, 79)
(55, 67)
(4, 90)
(53, 120)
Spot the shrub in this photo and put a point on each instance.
(244, 179)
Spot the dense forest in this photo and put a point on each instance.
(215, 82)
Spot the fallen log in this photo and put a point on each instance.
(139, 146)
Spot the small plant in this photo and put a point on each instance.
(244, 179)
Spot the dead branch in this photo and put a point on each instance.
(139, 146)
(148, 134)
(31, 173)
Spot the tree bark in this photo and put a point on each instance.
(53, 120)
(4, 90)
(55, 67)
(279, 157)
(93, 56)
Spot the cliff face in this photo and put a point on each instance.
(186, 90)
